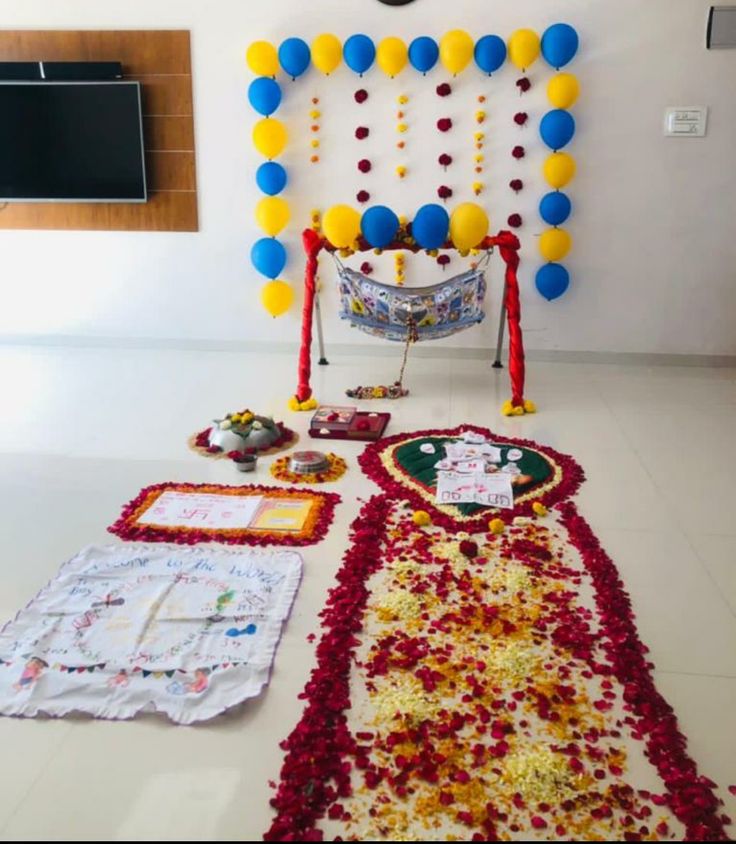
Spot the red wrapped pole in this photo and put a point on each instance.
(508, 245)
(312, 246)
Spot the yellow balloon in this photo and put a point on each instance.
(456, 50)
(326, 53)
(341, 225)
(559, 169)
(563, 90)
(269, 137)
(277, 297)
(468, 225)
(262, 58)
(554, 244)
(273, 214)
(524, 47)
(392, 55)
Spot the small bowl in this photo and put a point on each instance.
(247, 463)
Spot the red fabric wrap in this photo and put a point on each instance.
(508, 245)
(312, 245)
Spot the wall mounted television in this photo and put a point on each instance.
(71, 142)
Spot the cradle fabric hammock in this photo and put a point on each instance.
(508, 246)
(391, 312)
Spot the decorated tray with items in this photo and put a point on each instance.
(243, 433)
(342, 423)
(407, 466)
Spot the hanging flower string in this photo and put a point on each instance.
(402, 127)
(479, 157)
(314, 115)
(361, 134)
(400, 268)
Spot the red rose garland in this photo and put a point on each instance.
(323, 755)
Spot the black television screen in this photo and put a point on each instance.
(71, 142)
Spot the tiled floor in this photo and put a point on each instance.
(82, 430)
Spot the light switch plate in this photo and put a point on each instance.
(685, 121)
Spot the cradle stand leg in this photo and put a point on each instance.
(320, 336)
(501, 325)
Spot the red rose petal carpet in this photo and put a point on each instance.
(480, 686)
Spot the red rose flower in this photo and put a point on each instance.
(362, 132)
(443, 260)
(514, 221)
(445, 160)
(444, 192)
(520, 118)
(361, 96)
(518, 152)
(366, 268)
(523, 84)
(364, 165)
(444, 124)
(516, 185)
(363, 196)
(444, 90)
(469, 548)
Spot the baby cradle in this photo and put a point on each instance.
(392, 312)
(428, 313)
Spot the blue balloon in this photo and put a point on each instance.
(555, 208)
(490, 53)
(557, 128)
(559, 44)
(431, 226)
(268, 256)
(271, 178)
(423, 53)
(379, 226)
(552, 281)
(264, 94)
(359, 53)
(294, 56)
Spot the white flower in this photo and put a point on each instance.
(257, 425)
(225, 425)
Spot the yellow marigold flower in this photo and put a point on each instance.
(401, 171)
(477, 188)
(315, 144)
(402, 127)
(539, 508)
(315, 114)
(421, 518)
(402, 99)
(480, 116)
(497, 526)
(479, 136)
(480, 157)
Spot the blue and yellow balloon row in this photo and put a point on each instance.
(455, 51)
(432, 227)
(272, 212)
(557, 129)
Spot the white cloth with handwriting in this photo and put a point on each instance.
(126, 628)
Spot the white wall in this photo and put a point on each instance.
(654, 260)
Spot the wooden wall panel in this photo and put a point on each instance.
(162, 132)
(161, 61)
